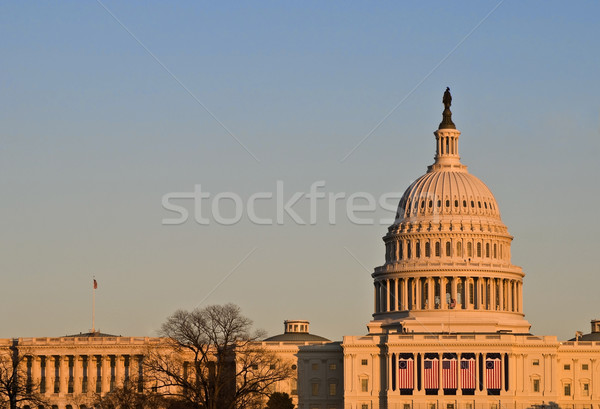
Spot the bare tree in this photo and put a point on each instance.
(16, 386)
(210, 359)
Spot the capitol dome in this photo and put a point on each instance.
(441, 192)
(447, 260)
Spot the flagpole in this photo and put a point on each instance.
(94, 307)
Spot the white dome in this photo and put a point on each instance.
(440, 193)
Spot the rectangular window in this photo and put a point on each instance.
(332, 389)
(494, 406)
(315, 367)
(431, 406)
(535, 362)
(315, 389)
(364, 362)
(584, 367)
(468, 405)
(366, 406)
(536, 385)
(451, 406)
(567, 389)
(586, 389)
(364, 385)
(332, 367)
(406, 406)
(567, 367)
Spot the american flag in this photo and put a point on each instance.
(467, 373)
(449, 373)
(492, 373)
(432, 377)
(405, 373)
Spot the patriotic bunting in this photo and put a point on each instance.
(467, 373)
(432, 378)
(405, 373)
(449, 376)
(492, 373)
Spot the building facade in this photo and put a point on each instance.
(448, 328)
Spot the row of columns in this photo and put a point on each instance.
(419, 293)
(397, 250)
(447, 145)
(71, 371)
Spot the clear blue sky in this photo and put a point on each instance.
(93, 132)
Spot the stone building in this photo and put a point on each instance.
(448, 328)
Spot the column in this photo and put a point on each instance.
(493, 294)
(387, 296)
(397, 245)
(388, 365)
(418, 293)
(593, 386)
(397, 294)
(509, 295)
(63, 373)
(119, 370)
(77, 374)
(501, 295)
(404, 294)
(512, 376)
(443, 303)
(381, 296)
(467, 284)
(36, 372)
(454, 291)
(375, 385)
(105, 373)
(502, 386)
(431, 293)
(440, 380)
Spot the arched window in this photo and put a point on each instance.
(437, 248)
(400, 250)
(478, 249)
(448, 249)
(469, 249)
(427, 249)
(464, 203)
(495, 250)
(472, 203)
(447, 203)
(487, 249)
(459, 249)
(456, 203)
(439, 203)
(418, 249)
(408, 249)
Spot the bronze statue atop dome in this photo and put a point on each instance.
(447, 114)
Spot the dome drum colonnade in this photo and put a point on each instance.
(448, 249)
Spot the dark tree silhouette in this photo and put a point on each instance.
(210, 359)
(16, 388)
(280, 400)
